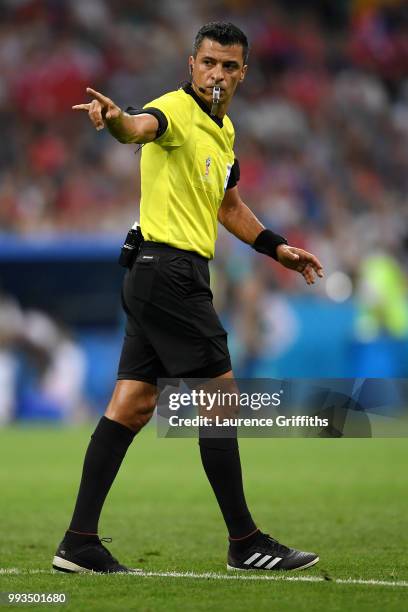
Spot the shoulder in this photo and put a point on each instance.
(173, 101)
(176, 111)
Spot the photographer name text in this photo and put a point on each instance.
(279, 421)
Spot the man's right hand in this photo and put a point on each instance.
(101, 108)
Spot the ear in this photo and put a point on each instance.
(191, 65)
(243, 73)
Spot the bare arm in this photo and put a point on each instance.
(238, 219)
(129, 128)
(125, 128)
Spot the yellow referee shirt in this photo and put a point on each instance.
(185, 173)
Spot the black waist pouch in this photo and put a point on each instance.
(131, 247)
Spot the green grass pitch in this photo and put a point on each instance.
(345, 499)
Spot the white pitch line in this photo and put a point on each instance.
(215, 576)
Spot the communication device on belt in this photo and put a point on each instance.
(131, 246)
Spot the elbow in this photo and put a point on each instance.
(227, 212)
(127, 139)
(222, 216)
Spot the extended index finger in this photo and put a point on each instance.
(81, 107)
(100, 97)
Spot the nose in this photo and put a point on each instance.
(217, 74)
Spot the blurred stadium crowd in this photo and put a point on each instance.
(321, 121)
(321, 130)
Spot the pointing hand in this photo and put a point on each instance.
(100, 109)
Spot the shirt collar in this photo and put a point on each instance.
(190, 91)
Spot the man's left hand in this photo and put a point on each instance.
(303, 262)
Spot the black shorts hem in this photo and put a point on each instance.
(212, 370)
(137, 377)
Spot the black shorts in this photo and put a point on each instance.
(172, 329)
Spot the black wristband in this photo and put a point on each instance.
(267, 242)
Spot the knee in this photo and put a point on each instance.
(140, 417)
(131, 412)
(135, 418)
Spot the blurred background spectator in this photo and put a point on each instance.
(321, 135)
(42, 369)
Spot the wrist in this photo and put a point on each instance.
(267, 242)
(280, 250)
(115, 121)
(118, 128)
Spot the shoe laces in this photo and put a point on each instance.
(280, 548)
(105, 550)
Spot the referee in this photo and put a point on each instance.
(189, 179)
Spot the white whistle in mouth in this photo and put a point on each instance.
(215, 99)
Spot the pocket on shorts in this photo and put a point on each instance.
(143, 276)
(179, 272)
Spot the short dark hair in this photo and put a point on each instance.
(223, 33)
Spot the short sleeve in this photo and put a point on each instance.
(235, 175)
(161, 117)
(176, 111)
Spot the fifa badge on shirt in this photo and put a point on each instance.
(207, 166)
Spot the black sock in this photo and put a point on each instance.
(73, 539)
(104, 456)
(239, 546)
(221, 462)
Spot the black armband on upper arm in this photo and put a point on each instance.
(156, 112)
(267, 243)
(235, 175)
